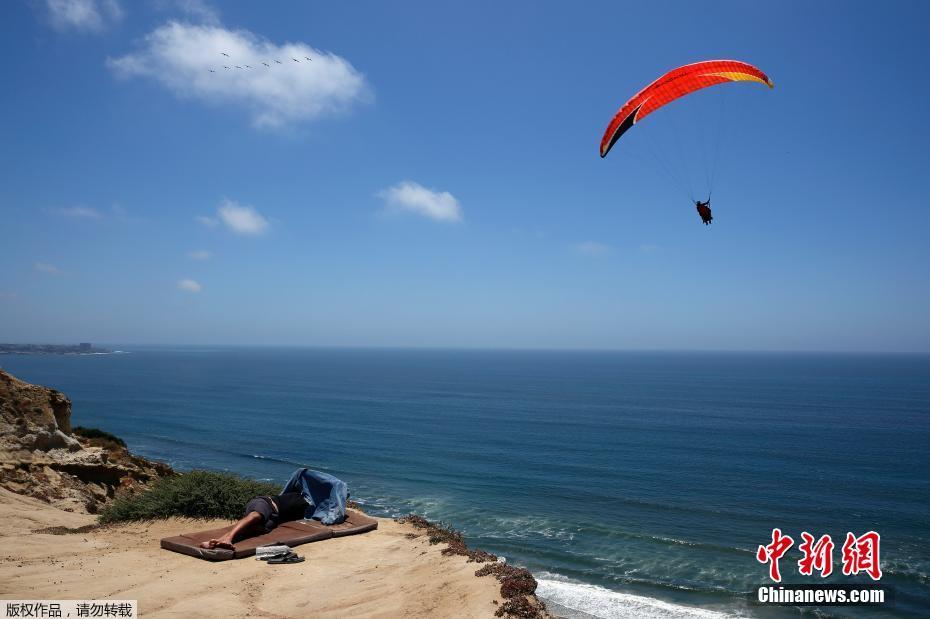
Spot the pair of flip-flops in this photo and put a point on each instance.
(282, 558)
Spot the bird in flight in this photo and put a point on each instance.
(266, 64)
(225, 54)
(238, 67)
(211, 70)
(278, 61)
(247, 67)
(295, 60)
(225, 67)
(308, 58)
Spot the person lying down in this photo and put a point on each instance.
(262, 514)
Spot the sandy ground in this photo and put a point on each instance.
(382, 573)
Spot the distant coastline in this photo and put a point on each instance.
(54, 349)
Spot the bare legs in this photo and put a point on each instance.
(252, 520)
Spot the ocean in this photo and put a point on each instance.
(632, 484)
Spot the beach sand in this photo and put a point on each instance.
(383, 573)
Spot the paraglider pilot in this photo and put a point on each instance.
(703, 209)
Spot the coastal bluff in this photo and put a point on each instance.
(55, 478)
(42, 456)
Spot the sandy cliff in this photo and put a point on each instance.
(391, 572)
(41, 457)
(52, 481)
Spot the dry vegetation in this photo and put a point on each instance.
(518, 587)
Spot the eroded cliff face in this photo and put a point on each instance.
(41, 457)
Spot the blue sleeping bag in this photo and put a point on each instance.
(326, 495)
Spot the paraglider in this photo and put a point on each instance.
(703, 209)
(675, 84)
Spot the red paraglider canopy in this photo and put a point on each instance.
(674, 84)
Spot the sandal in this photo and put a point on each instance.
(280, 555)
(288, 559)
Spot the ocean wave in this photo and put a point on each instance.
(229, 452)
(628, 578)
(672, 541)
(905, 571)
(396, 507)
(527, 527)
(272, 459)
(593, 601)
(531, 527)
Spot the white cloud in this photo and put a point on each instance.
(592, 248)
(80, 212)
(84, 15)
(411, 197)
(241, 219)
(115, 213)
(200, 254)
(189, 285)
(46, 268)
(209, 222)
(180, 56)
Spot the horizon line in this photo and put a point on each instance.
(567, 349)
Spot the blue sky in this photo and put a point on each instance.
(434, 179)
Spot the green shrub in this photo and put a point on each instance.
(98, 434)
(198, 494)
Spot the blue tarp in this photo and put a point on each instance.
(326, 495)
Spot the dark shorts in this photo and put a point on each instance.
(291, 505)
(263, 506)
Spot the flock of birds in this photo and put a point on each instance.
(245, 66)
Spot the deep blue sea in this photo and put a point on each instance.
(631, 484)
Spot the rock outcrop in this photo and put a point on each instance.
(41, 456)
